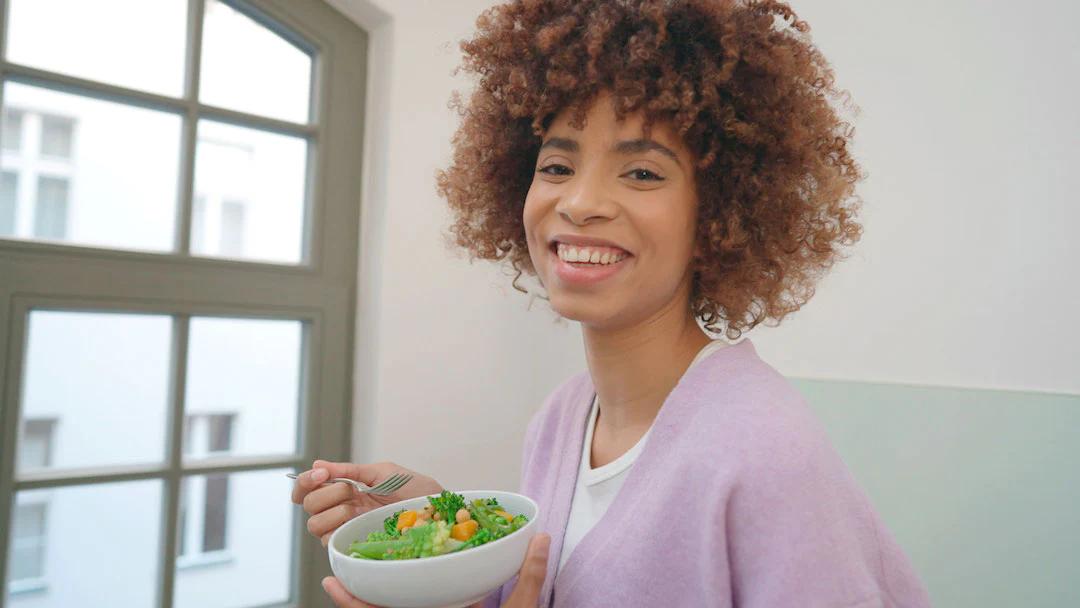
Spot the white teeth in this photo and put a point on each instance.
(587, 255)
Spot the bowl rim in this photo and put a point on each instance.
(384, 563)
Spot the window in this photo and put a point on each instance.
(9, 189)
(232, 229)
(42, 213)
(173, 277)
(204, 500)
(28, 546)
(29, 524)
(35, 445)
(51, 211)
(11, 136)
(56, 136)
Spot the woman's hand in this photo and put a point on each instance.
(526, 592)
(329, 507)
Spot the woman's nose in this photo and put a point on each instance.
(585, 202)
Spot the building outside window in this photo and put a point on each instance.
(30, 527)
(202, 537)
(171, 237)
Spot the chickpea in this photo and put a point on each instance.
(438, 516)
(463, 516)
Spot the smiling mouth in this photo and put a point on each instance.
(590, 255)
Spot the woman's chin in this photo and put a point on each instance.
(597, 315)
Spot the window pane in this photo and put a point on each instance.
(9, 186)
(51, 209)
(121, 169)
(103, 379)
(216, 505)
(94, 40)
(35, 443)
(56, 134)
(28, 542)
(251, 184)
(246, 529)
(95, 542)
(246, 371)
(232, 229)
(220, 431)
(247, 67)
(11, 136)
(198, 224)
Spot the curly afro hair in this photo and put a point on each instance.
(740, 82)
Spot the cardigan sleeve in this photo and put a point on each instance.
(800, 531)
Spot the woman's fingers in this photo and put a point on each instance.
(341, 597)
(330, 519)
(332, 495)
(364, 473)
(531, 576)
(308, 481)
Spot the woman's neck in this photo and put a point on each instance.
(634, 368)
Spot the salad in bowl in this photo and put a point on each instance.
(439, 551)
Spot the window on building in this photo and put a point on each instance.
(204, 499)
(11, 136)
(9, 190)
(231, 243)
(28, 545)
(36, 443)
(30, 518)
(56, 136)
(51, 210)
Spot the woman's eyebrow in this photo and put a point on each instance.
(562, 143)
(630, 146)
(637, 146)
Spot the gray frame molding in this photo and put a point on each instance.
(321, 291)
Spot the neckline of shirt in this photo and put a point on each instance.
(592, 476)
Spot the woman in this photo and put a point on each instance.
(656, 164)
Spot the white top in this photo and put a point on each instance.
(596, 488)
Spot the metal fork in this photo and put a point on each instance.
(384, 488)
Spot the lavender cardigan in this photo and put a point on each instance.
(738, 499)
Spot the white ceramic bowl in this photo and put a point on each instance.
(453, 580)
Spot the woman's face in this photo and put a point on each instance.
(610, 219)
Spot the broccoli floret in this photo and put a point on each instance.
(448, 504)
(482, 536)
(518, 522)
(390, 524)
(425, 540)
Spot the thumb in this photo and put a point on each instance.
(532, 574)
(364, 473)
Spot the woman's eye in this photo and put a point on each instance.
(559, 170)
(645, 175)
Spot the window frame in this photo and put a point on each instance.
(320, 291)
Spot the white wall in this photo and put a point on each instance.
(967, 273)
(450, 364)
(962, 278)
